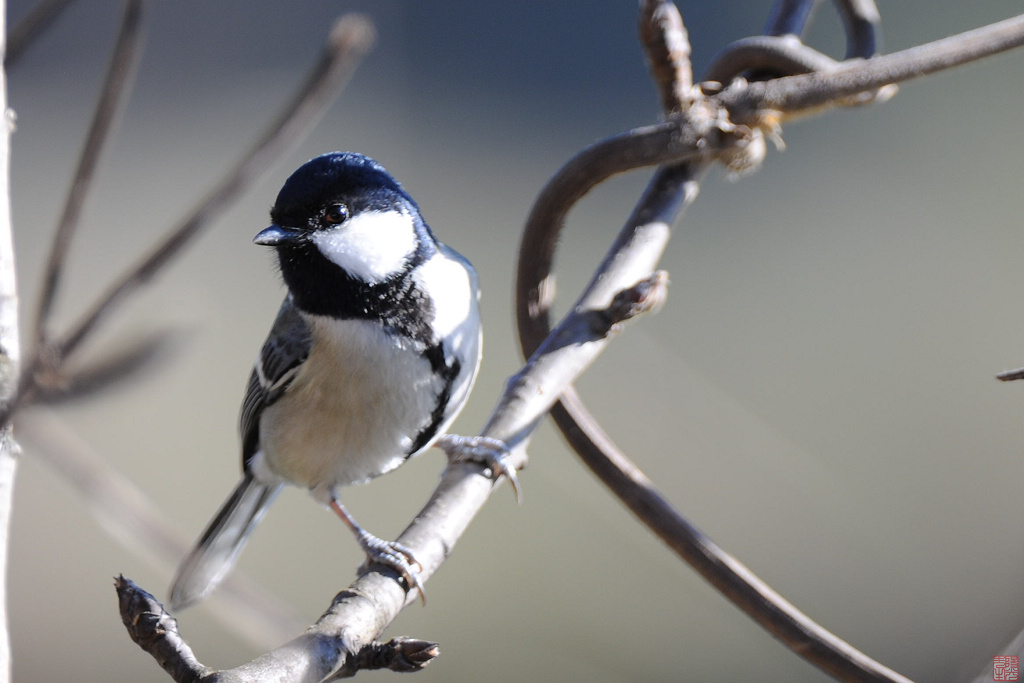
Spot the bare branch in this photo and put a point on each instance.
(800, 94)
(155, 631)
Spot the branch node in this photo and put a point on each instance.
(401, 654)
(646, 296)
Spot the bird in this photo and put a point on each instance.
(372, 355)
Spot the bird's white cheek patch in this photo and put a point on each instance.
(371, 246)
(452, 288)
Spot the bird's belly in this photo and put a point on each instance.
(354, 409)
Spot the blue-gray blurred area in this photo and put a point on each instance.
(817, 394)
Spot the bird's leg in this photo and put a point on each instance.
(388, 553)
(491, 453)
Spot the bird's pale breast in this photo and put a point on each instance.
(354, 408)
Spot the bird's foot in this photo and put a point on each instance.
(395, 556)
(491, 453)
(391, 554)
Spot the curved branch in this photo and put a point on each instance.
(663, 203)
(860, 22)
(799, 94)
(638, 248)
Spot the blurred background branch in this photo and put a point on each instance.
(348, 42)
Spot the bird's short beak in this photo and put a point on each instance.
(276, 236)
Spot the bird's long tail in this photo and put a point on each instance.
(217, 550)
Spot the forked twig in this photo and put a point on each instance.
(348, 41)
(113, 94)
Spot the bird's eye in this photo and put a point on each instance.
(336, 213)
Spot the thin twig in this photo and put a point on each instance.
(635, 249)
(108, 368)
(113, 94)
(680, 139)
(39, 18)
(728, 575)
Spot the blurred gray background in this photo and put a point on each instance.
(817, 395)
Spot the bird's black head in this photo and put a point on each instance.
(354, 179)
(345, 233)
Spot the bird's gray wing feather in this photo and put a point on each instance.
(286, 348)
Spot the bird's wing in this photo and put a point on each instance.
(285, 350)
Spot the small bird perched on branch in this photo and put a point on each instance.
(372, 355)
